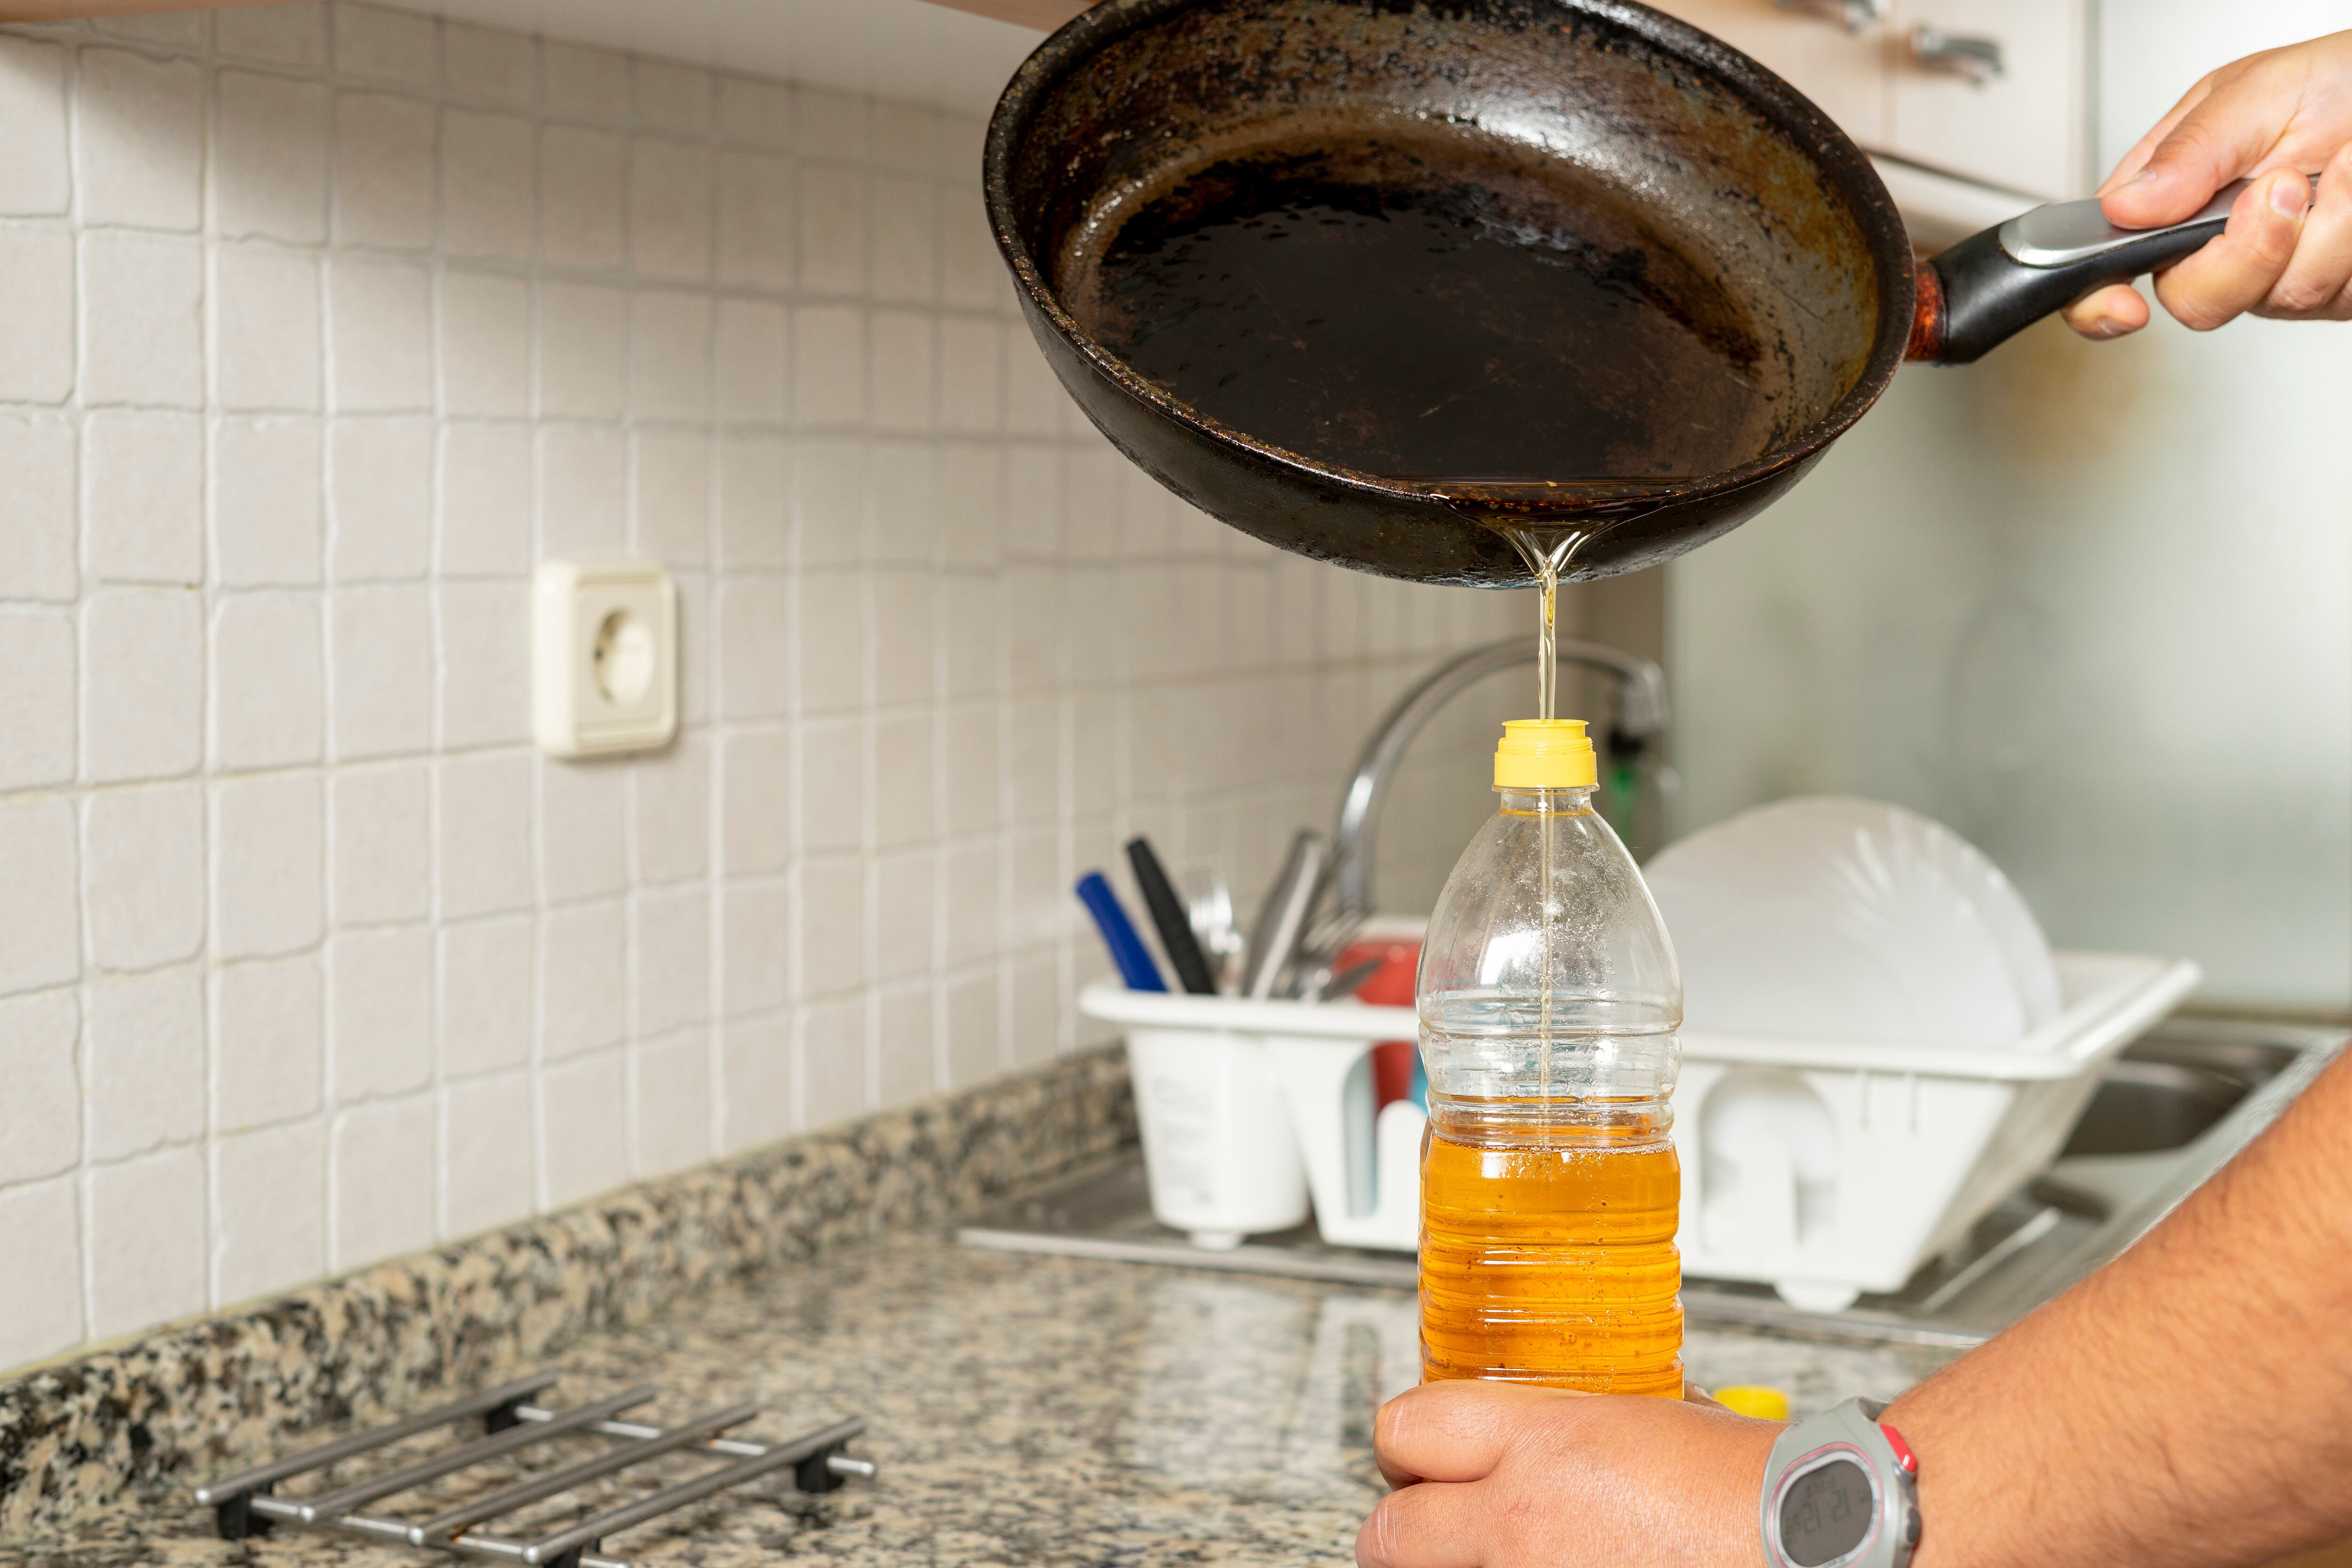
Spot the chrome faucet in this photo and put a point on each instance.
(1641, 716)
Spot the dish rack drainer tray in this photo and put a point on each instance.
(246, 1504)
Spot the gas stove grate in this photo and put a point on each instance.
(246, 1504)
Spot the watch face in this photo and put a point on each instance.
(1826, 1512)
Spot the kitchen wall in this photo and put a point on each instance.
(2090, 604)
(324, 323)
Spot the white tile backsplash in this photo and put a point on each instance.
(669, 356)
(268, 520)
(335, 323)
(40, 1116)
(382, 501)
(486, 991)
(40, 1227)
(487, 1160)
(35, 178)
(381, 1163)
(383, 175)
(269, 700)
(293, 36)
(584, 1105)
(381, 838)
(268, 860)
(142, 681)
(146, 1242)
(143, 515)
(140, 128)
(484, 529)
(582, 351)
(583, 195)
(381, 651)
(266, 349)
(669, 1094)
(486, 184)
(149, 292)
(386, 45)
(145, 1038)
(37, 705)
(485, 351)
(268, 1041)
(36, 528)
(379, 1018)
(36, 337)
(143, 874)
(380, 336)
(484, 820)
(669, 209)
(270, 1226)
(583, 975)
(270, 146)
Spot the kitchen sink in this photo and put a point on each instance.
(2169, 1089)
(2171, 1111)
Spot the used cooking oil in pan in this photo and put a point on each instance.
(1421, 302)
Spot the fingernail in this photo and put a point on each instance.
(2108, 327)
(2287, 196)
(2143, 177)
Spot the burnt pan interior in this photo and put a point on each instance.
(1493, 240)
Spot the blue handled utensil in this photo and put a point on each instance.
(1127, 949)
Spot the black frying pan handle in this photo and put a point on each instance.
(1992, 286)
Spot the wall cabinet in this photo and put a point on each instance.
(1973, 108)
(1991, 117)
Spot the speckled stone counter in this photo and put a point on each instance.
(224, 1393)
(1024, 1410)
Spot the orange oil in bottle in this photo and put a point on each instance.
(1548, 1255)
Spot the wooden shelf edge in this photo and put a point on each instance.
(67, 10)
(1043, 14)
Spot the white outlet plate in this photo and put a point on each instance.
(603, 657)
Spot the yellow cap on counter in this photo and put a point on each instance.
(1545, 753)
(1764, 1404)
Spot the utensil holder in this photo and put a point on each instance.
(1248, 1107)
(1218, 1150)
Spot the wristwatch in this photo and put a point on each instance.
(1841, 1490)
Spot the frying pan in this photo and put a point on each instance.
(1367, 278)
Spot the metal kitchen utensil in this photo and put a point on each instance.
(246, 1504)
(1571, 264)
(1333, 930)
(1330, 987)
(1170, 919)
(1282, 920)
(1209, 903)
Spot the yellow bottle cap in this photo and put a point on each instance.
(1764, 1404)
(1545, 753)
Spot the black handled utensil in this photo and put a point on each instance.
(1171, 918)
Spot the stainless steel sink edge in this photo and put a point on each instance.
(2045, 1238)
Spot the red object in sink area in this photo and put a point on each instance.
(1390, 986)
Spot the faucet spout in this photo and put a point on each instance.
(1641, 716)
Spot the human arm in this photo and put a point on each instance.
(2275, 116)
(2188, 1406)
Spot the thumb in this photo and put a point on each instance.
(2214, 143)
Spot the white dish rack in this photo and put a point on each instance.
(1824, 1168)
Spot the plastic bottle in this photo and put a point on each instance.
(1549, 1001)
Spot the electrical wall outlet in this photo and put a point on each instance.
(605, 658)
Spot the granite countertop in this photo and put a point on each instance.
(1023, 1410)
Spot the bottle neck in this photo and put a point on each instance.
(1547, 802)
